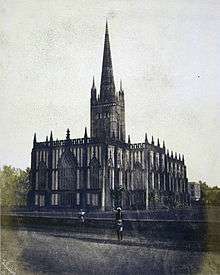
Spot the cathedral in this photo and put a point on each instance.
(105, 170)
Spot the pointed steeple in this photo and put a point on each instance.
(107, 89)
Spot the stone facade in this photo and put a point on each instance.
(103, 171)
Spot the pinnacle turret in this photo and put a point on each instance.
(146, 140)
(163, 144)
(35, 139)
(85, 134)
(51, 136)
(121, 88)
(93, 83)
(93, 92)
(68, 133)
(152, 140)
(158, 142)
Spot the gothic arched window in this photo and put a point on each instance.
(67, 168)
(42, 176)
(138, 177)
(94, 174)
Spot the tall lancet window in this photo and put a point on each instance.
(95, 173)
(138, 177)
(67, 171)
(42, 176)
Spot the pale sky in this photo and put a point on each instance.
(167, 54)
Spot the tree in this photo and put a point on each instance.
(209, 195)
(14, 184)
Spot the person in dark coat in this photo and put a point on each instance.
(119, 224)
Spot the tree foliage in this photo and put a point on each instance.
(209, 195)
(14, 184)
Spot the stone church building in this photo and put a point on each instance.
(105, 170)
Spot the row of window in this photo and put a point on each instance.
(105, 115)
(67, 199)
(42, 156)
(155, 161)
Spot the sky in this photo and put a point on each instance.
(166, 53)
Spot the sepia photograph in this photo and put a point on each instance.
(110, 137)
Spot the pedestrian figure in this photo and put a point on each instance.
(82, 217)
(119, 225)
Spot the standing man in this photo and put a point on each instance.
(119, 225)
(82, 218)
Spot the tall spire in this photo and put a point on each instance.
(107, 89)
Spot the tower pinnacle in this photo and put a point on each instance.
(68, 133)
(93, 83)
(35, 139)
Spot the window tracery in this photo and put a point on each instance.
(67, 171)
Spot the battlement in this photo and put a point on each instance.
(137, 146)
(58, 143)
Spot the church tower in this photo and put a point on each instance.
(107, 119)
